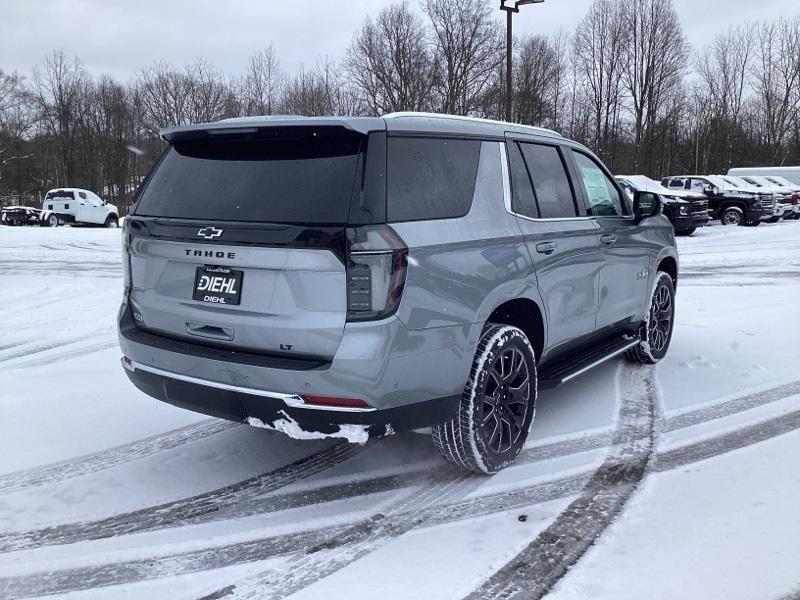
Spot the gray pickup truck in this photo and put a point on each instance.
(354, 277)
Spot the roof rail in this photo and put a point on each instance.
(431, 115)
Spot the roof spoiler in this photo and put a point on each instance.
(254, 125)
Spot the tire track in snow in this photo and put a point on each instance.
(244, 499)
(243, 502)
(185, 510)
(269, 547)
(107, 459)
(730, 407)
(727, 442)
(31, 351)
(534, 572)
(346, 547)
(536, 569)
(323, 539)
(43, 361)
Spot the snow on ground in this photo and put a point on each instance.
(106, 493)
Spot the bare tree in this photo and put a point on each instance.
(307, 93)
(210, 96)
(776, 83)
(196, 95)
(163, 94)
(261, 86)
(655, 59)
(536, 74)
(468, 45)
(723, 68)
(390, 62)
(599, 47)
(58, 88)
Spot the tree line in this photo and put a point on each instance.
(625, 82)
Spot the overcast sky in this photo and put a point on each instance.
(118, 37)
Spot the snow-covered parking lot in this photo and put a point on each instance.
(679, 481)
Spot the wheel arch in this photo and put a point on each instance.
(669, 265)
(525, 314)
(732, 204)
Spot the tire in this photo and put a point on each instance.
(52, 221)
(732, 216)
(686, 232)
(656, 331)
(497, 406)
(112, 222)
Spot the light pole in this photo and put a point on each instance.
(510, 10)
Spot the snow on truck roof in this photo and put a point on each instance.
(399, 121)
(69, 189)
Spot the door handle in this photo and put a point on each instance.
(546, 247)
(608, 239)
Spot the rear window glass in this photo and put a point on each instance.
(60, 194)
(306, 178)
(430, 178)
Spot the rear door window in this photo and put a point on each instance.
(60, 195)
(304, 177)
(602, 196)
(551, 187)
(430, 178)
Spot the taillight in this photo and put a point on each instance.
(795, 197)
(376, 272)
(126, 258)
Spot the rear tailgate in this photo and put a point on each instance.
(239, 243)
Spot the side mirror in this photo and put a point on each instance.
(645, 204)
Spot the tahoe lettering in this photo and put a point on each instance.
(210, 253)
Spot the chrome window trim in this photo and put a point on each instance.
(292, 400)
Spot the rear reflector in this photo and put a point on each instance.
(334, 401)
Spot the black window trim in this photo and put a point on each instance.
(507, 159)
(580, 214)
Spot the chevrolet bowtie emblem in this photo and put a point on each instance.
(209, 233)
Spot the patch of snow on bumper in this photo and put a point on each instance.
(355, 434)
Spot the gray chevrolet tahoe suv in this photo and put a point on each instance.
(341, 276)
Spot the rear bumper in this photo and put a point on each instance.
(410, 378)
(270, 408)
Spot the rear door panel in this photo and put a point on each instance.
(568, 278)
(565, 251)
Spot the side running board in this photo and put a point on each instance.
(565, 369)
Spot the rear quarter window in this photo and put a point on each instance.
(430, 178)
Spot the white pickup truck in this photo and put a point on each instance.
(74, 205)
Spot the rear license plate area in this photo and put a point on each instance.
(218, 285)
